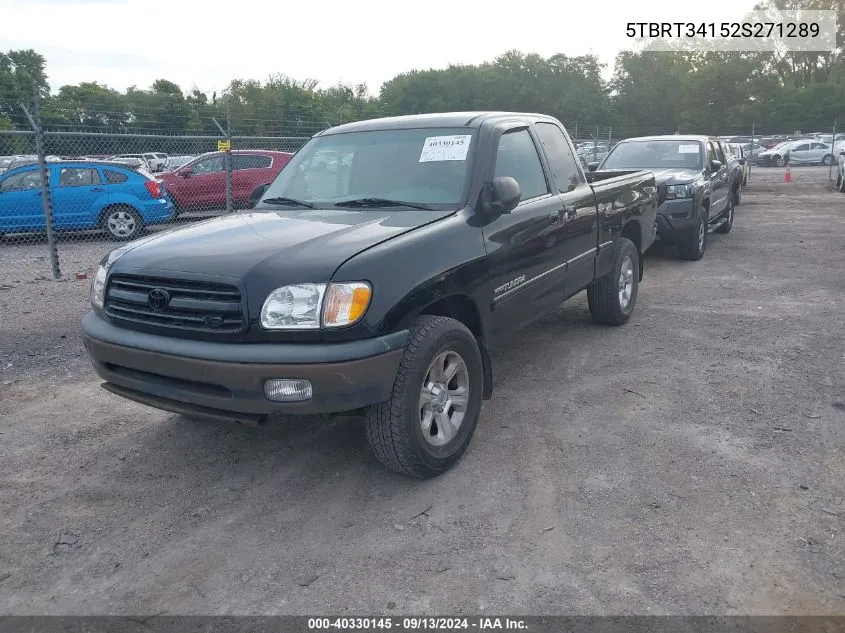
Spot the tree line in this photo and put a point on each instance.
(648, 92)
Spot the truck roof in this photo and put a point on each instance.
(672, 137)
(470, 120)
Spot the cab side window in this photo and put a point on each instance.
(517, 157)
(561, 160)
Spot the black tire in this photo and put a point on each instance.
(729, 214)
(780, 162)
(693, 248)
(736, 195)
(841, 184)
(605, 295)
(122, 222)
(827, 160)
(394, 427)
(745, 180)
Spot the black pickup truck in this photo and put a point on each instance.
(697, 186)
(376, 272)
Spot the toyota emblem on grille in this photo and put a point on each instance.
(158, 298)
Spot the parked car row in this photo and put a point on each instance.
(95, 194)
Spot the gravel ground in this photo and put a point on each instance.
(690, 462)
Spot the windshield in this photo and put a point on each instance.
(661, 154)
(424, 166)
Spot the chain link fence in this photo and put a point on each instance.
(74, 184)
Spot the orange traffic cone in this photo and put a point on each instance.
(787, 176)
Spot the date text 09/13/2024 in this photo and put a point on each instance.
(417, 624)
(777, 30)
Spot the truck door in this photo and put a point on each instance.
(525, 251)
(719, 180)
(580, 230)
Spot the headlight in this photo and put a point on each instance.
(293, 307)
(98, 285)
(309, 306)
(677, 191)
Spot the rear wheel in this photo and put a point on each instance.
(841, 184)
(612, 298)
(122, 222)
(729, 219)
(430, 418)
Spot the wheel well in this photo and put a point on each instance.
(633, 232)
(458, 307)
(461, 308)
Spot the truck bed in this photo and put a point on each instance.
(622, 194)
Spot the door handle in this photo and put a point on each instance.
(569, 211)
(554, 216)
(98, 189)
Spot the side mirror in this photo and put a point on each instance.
(187, 172)
(592, 166)
(505, 193)
(715, 165)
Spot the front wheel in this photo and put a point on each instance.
(736, 198)
(122, 223)
(693, 248)
(780, 162)
(612, 298)
(430, 418)
(827, 160)
(840, 182)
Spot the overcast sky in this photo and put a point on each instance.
(122, 43)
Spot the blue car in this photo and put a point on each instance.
(86, 195)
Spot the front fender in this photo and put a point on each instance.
(416, 269)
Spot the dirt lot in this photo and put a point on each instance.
(690, 462)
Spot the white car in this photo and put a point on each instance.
(156, 160)
(130, 159)
(803, 152)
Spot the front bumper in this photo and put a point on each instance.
(676, 220)
(227, 380)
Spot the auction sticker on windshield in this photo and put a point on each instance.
(438, 148)
(688, 149)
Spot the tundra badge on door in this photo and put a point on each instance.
(511, 284)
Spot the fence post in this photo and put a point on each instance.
(38, 127)
(227, 152)
(229, 206)
(753, 142)
(833, 153)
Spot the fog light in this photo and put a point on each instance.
(285, 390)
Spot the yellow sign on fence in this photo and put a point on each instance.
(224, 146)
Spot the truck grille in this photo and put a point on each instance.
(175, 304)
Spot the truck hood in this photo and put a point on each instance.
(675, 176)
(269, 248)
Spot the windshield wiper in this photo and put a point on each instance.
(289, 202)
(382, 202)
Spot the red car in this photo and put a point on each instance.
(201, 183)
